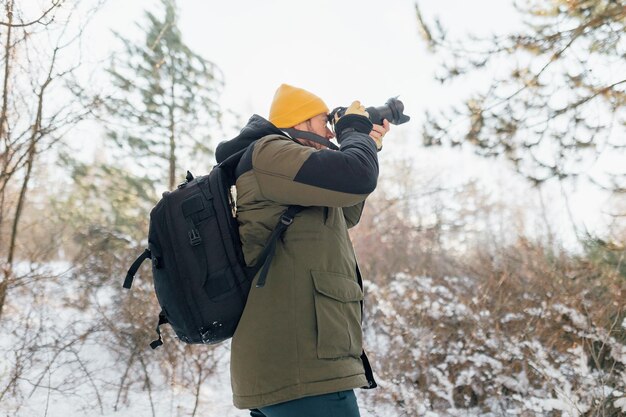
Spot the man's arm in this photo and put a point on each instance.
(352, 214)
(290, 173)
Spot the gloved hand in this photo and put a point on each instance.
(378, 132)
(354, 118)
(355, 108)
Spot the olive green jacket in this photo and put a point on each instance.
(300, 334)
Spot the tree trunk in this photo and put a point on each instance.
(5, 84)
(20, 201)
(7, 269)
(4, 285)
(32, 148)
(172, 155)
(3, 115)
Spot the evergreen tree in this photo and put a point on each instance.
(556, 103)
(165, 99)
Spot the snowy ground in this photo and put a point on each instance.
(461, 360)
(435, 356)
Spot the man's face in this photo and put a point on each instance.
(318, 125)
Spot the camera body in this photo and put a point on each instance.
(392, 110)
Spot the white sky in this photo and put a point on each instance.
(340, 50)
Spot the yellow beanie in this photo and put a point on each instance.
(292, 105)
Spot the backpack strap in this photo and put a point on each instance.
(265, 259)
(369, 374)
(162, 320)
(232, 161)
(130, 275)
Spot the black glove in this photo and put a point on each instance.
(355, 118)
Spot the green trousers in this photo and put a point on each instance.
(337, 404)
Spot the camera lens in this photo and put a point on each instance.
(392, 111)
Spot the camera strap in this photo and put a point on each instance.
(301, 134)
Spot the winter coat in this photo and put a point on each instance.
(300, 334)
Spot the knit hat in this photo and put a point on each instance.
(292, 105)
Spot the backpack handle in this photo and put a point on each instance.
(130, 275)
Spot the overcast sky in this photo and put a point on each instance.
(340, 50)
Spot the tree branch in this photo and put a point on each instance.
(10, 24)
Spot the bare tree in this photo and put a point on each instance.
(39, 58)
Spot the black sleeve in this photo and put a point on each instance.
(354, 169)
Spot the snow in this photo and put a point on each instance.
(504, 373)
(512, 317)
(437, 350)
(620, 403)
(577, 318)
(517, 383)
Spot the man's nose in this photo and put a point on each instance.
(329, 133)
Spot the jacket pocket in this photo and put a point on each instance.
(338, 315)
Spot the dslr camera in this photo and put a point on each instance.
(392, 110)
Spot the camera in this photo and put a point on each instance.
(392, 110)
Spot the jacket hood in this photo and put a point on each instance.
(256, 128)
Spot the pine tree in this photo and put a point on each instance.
(165, 99)
(556, 103)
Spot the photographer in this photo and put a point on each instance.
(297, 350)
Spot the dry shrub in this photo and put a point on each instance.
(525, 330)
(530, 275)
(486, 319)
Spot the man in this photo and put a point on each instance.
(298, 349)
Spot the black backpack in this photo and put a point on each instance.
(200, 277)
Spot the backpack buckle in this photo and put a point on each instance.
(286, 220)
(194, 237)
